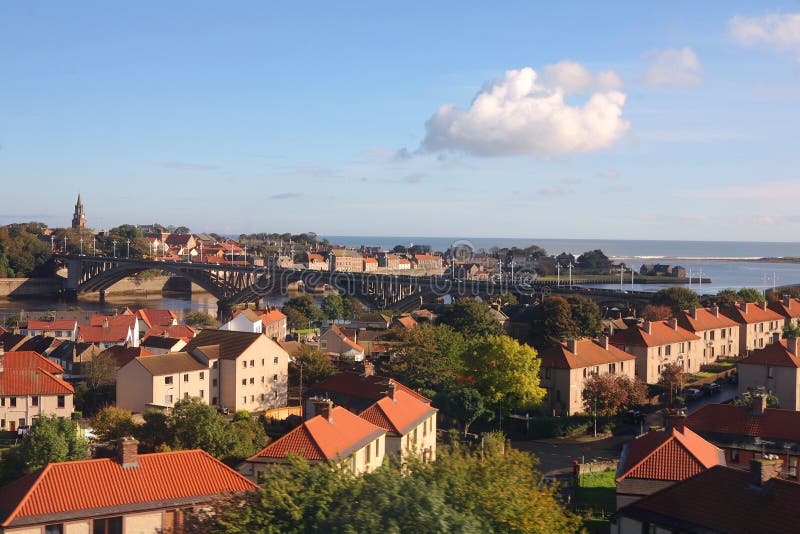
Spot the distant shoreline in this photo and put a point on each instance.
(662, 259)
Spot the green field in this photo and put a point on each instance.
(595, 497)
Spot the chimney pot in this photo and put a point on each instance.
(787, 301)
(392, 388)
(128, 453)
(744, 306)
(604, 342)
(759, 406)
(762, 305)
(673, 323)
(693, 313)
(572, 346)
(648, 327)
(715, 311)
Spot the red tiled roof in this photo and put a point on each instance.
(738, 420)
(21, 382)
(29, 360)
(365, 387)
(661, 334)
(180, 331)
(122, 355)
(754, 313)
(774, 354)
(705, 320)
(66, 487)
(406, 322)
(589, 354)
(320, 439)
(668, 455)
(47, 326)
(370, 260)
(346, 340)
(113, 320)
(98, 334)
(271, 316)
(721, 499)
(788, 307)
(399, 415)
(156, 317)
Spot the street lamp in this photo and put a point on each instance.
(65, 244)
(81, 241)
(94, 246)
(52, 243)
(128, 255)
(114, 248)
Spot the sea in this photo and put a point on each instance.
(728, 264)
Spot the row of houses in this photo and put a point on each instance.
(352, 260)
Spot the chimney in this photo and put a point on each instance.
(610, 329)
(676, 421)
(648, 327)
(715, 311)
(787, 301)
(128, 453)
(105, 323)
(791, 345)
(673, 323)
(762, 305)
(759, 405)
(325, 409)
(693, 313)
(369, 369)
(572, 346)
(604, 342)
(744, 306)
(762, 470)
(391, 388)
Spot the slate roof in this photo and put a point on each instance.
(721, 499)
(160, 342)
(371, 387)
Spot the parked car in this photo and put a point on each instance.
(712, 388)
(693, 394)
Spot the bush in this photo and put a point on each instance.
(560, 427)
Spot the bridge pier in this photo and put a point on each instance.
(102, 296)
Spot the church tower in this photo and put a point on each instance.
(79, 218)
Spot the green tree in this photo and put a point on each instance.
(749, 294)
(553, 322)
(198, 319)
(594, 260)
(726, 298)
(471, 318)
(465, 404)
(505, 372)
(155, 432)
(332, 307)
(791, 331)
(112, 423)
(428, 357)
(677, 299)
(300, 311)
(248, 436)
(100, 373)
(350, 308)
(317, 366)
(586, 316)
(672, 377)
(196, 425)
(610, 394)
(52, 439)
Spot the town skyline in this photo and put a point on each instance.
(663, 122)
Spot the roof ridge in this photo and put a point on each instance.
(651, 453)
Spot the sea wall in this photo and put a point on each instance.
(30, 287)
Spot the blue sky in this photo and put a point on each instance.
(631, 120)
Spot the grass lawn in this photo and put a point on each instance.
(596, 492)
(699, 376)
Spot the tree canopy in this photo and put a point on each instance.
(198, 319)
(594, 260)
(301, 311)
(471, 318)
(428, 357)
(316, 364)
(677, 299)
(499, 490)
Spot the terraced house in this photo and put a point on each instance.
(657, 344)
(719, 333)
(758, 325)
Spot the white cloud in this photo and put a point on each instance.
(519, 115)
(573, 77)
(779, 31)
(674, 67)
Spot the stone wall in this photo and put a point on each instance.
(30, 287)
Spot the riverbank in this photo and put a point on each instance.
(580, 279)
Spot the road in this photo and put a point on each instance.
(728, 392)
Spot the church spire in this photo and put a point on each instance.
(79, 218)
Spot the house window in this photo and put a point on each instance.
(202, 394)
(202, 375)
(244, 381)
(735, 455)
(244, 399)
(621, 366)
(276, 395)
(108, 525)
(214, 365)
(54, 529)
(213, 401)
(274, 378)
(275, 360)
(252, 380)
(253, 363)
(60, 401)
(668, 350)
(612, 368)
(2, 401)
(214, 382)
(712, 335)
(168, 380)
(185, 377)
(167, 399)
(585, 372)
(35, 400)
(13, 402)
(252, 398)
(770, 372)
(262, 379)
(244, 364)
(323, 343)
(367, 450)
(186, 395)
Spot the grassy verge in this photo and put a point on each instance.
(595, 497)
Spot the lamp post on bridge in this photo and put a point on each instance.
(114, 248)
(65, 244)
(94, 246)
(81, 242)
(52, 243)
(128, 254)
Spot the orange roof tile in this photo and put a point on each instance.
(750, 312)
(357, 385)
(99, 334)
(774, 354)
(179, 331)
(589, 354)
(661, 333)
(787, 307)
(113, 320)
(668, 455)
(27, 359)
(704, 319)
(406, 322)
(156, 317)
(398, 415)
(738, 420)
(346, 340)
(321, 439)
(86, 485)
(47, 326)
